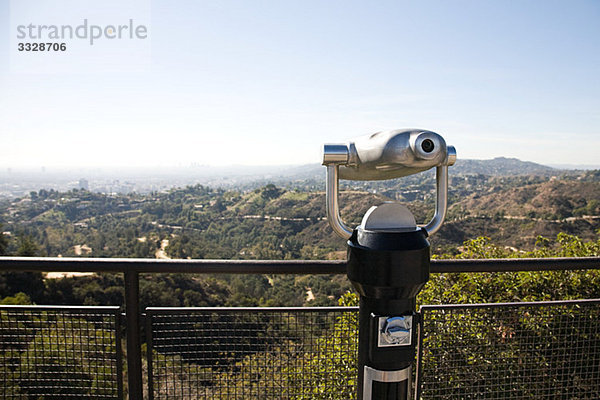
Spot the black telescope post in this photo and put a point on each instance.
(388, 254)
(388, 269)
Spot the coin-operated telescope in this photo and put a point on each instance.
(388, 253)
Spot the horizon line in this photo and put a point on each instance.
(189, 166)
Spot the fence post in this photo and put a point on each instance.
(149, 359)
(134, 351)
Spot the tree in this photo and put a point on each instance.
(3, 242)
(29, 283)
(27, 246)
(270, 192)
(18, 299)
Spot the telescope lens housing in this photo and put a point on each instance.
(427, 145)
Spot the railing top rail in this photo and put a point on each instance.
(78, 309)
(298, 267)
(515, 264)
(144, 265)
(224, 310)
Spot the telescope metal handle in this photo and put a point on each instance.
(343, 231)
(441, 200)
(332, 185)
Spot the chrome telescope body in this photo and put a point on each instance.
(387, 155)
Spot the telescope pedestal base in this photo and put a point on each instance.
(386, 385)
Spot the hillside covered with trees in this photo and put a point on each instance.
(517, 214)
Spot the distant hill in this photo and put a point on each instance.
(581, 167)
(501, 166)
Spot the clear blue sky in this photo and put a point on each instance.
(268, 82)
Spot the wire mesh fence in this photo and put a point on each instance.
(544, 350)
(60, 352)
(490, 351)
(252, 353)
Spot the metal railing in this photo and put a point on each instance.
(60, 352)
(296, 353)
(249, 353)
(540, 350)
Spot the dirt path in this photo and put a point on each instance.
(161, 253)
(59, 275)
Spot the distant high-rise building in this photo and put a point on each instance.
(83, 184)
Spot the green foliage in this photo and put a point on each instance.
(481, 248)
(18, 299)
(566, 246)
(178, 290)
(27, 247)
(29, 283)
(270, 192)
(510, 287)
(592, 207)
(517, 286)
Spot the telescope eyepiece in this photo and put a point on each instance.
(427, 145)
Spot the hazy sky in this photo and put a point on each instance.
(268, 82)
